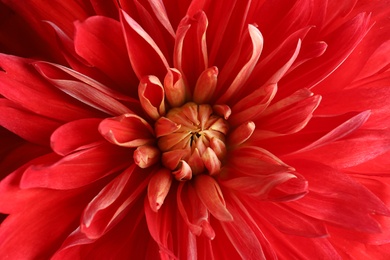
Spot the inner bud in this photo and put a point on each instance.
(192, 140)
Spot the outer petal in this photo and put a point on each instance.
(127, 130)
(145, 56)
(77, 169)
(29, 126)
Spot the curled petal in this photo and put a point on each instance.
(146, 155)
(164, 126)
(211, 161)
(127, 130)
(241, 134)
(210, 194)
(171, 159)
(175, 88)
(205, 86)
(256, 46)
(223, 111)
(196, 162)
(218, 147)
(184, 172)
(151, 94)
(158, 188)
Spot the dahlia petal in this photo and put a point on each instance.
(341, 42)
(257, 162)
(355, 149)
(171, 159)
(377, 62)
(313, 50)
(161, 14)
(211, 161)
(205, 85)
(288, 220)
(161, 228)
(151, 94)
(251, 106)
(75, 136)
(164, 126)
(243, 236)
(242, 133)
(218, 147)
(21, 83)
(193, 211)
(372, 95)
(319, 131)
(175, 89)
(184, 171)
(242, 76)
(158, 188)
(29, 126)
(278, 75)
(113, 201)
(77, 169)
(127, 130)
(102, 50)
(273, 65)
(196, 162)
(190, 51)
(223, 111)
(341, 131)
(105, 8)
(211, 196)
(257, 186)
(84, 92)
(146, 156)
(330, 190)
(26, 235)
(145, 56)
(292, 189)
(129, 231)
(289, 115)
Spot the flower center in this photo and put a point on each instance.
(192, 140)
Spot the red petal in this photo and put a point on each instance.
(250, 107)
(245, 67)
(193, 211)
(176, 91)
(336, 198)
(242, 133)
(127, 130)
(357, 148)
(29, 126)
(151, 94)
(91, 92)
(145, 56)
(77, 135)
(158, 188)
(206, 85)
(211, 196)
(112, 203)
(190, 51)
(105, 51)
(289, 115)
(146, 156)
(22, 84)
(76, 170)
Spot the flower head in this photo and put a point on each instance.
(195, 129)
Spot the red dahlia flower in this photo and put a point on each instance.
(195, 129)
